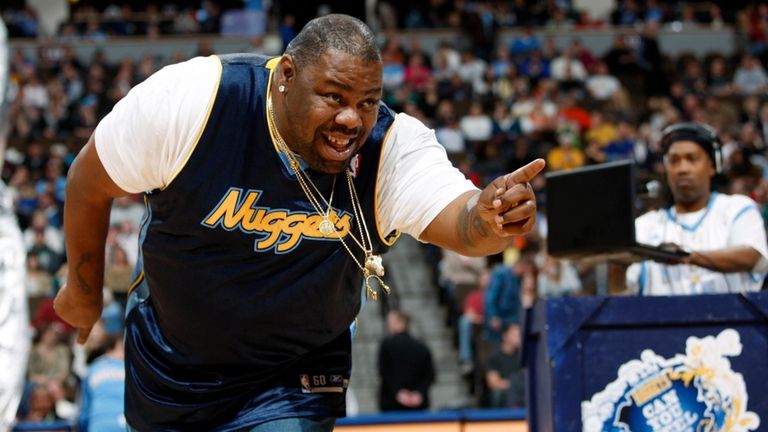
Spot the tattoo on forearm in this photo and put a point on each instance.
(471, 226)
(481, 228)
(82, 282)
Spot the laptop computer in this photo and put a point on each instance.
(591, 215)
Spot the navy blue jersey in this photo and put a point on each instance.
(240, 298)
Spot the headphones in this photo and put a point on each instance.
(700, 133)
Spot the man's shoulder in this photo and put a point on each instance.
(651, 215)
(397, 127)
(649, 221)
(408, 339)
(733, 201)
(386, 115)
(404, 123)
(244, 59)
(729, 208)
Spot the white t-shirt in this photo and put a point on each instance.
(727, 221)
(559, 69)
(451, 138)
(476, 127)
(149, 135)
(602, 87)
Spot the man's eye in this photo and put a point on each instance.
(334, 97)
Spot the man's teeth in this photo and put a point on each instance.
(340, 142)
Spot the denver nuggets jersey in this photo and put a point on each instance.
(239, 294)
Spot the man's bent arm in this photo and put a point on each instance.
(729, 260)
(485, 222)
(88, 202)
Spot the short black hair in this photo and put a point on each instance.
(703, 135)
(334, 31)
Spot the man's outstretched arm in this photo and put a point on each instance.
(88, 202)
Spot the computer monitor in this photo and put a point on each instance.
(590, 210)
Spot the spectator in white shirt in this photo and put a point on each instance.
(750, 77)
(476, 125)
(568, 68)
(602, 85)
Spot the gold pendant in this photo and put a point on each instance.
(374, 265)
(326, 227)
(369, 291)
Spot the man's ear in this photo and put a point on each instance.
(287, 69)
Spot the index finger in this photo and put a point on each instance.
(526, 173)
(82, 334)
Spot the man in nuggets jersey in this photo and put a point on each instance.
(272, 188)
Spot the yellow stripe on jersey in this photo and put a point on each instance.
(144, 222)
(271, 65)
(385, 238)
(136, 283)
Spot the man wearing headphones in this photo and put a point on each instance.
(724, 234)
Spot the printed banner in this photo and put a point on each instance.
(696, 391)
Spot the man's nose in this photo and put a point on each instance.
(349, 118)
(683, 166)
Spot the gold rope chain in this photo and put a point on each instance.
(373, 269)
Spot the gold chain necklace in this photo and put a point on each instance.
(373, 267)
(325, 227)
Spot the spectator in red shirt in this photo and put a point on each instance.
(417, 74)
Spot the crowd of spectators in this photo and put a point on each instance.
(94, 20)
(97, 19)
(493, 106)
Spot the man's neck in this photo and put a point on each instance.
(692, 207)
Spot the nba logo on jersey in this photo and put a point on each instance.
(354, 165)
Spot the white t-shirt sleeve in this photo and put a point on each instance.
(149, 135)
(417, 181)
(748, 230)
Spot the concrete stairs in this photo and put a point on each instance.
(410, 278)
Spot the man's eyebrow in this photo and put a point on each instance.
(684, 153)
(345, 87)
